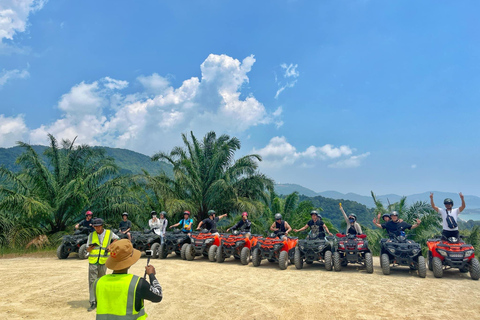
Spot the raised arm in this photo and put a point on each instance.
(416, 224)
(375, 222)
(174, 225)
(460, 209)
(343, 212)
(222, 216)
(433, 203)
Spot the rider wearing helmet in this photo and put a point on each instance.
(158, 225)
(353, 227)
(280, 226)
(449, 215)
(243, 225)
(125, 226)
(186, 223)
(87, 223)
(316, 225)
(210, 223)
(395, 226)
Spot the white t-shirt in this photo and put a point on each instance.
(454, 213)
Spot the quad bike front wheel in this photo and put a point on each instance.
(220, 256)
(183, 251)
(212, 253)
(437, 267)
(474, 269)
(328, 260)
(283, 260)
(190, 252)
(422, 268)
(298, 259)
(337, 261)
(256, 259)
(244, 255)
(162, 251)
(385, 261)
(369, 262)
(154, 249)
(61, 254)
(82, 251)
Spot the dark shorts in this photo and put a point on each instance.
(447, 233)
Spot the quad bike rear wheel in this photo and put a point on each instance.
(328, 260)
(298, 259)
(212, 253)
(61, 254)
(183, 251)
(162, 251)
(283, 260)
(369, 262)
(190, 252)
(82, 252)
(385, 260)
(154, 249)
(337, 262)
(256, 259)
(474, 269)
(220, 256)
(430, 263)
(244, 255)
(422, 268)
(437, 267)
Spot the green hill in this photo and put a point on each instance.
(128, 161)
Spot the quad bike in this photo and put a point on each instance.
(445, 253)
(146, 240)
(316, 247)
(275, 250)
(74, 243)
(202, 243)
(399, 251)
(174, 241)
(352, 249)
(237, 244)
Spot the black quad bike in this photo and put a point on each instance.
(146, 240)
(76, 243)
(316, 247)
(352, 248)
(174, 241)
(399, 251)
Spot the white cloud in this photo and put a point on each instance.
(6, 75)
(12, 129)
(413, 166)
(290, 71)
(352, 162)
(279, 153)
(99, 114)
(14, 16)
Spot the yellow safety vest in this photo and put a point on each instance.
(115, 296)
(99, 255)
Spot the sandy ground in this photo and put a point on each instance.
(48, 288)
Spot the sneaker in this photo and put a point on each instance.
(93, 305)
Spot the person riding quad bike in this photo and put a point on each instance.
(280, 227)
(353, 227)
(316, 247)
(449, 216)
(87, 223)
(210, 223)
(186, 223)
(125, 226)
(244, 225)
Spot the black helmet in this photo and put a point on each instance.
(353, 215)
(211, 212)
(153, 213)
(97, 222)
(278, 216)
(385, 215)
(125, 214)
(394, 213)
(448, 201)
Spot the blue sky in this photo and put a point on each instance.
(349, 96)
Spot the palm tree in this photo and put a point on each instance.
(53, 195)
(206, 177)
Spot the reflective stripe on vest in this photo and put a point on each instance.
(115, 296)
(98, 254)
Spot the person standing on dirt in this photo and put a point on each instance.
(449, 216)
(244, 225)
(210, 223)
(316, 225)
(125, 226)
(353, 227)
(186, 223)
(121, 295)
(87, 223)
(98, 247)
(280, 226)
(395, 226)
(159, 226)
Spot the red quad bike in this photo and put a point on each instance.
(237, 244)
(452, 253)
(202, 243)
(275, 250)
(352, 249)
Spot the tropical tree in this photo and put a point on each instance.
(206, 176)
(53, 194)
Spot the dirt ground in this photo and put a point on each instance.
(48, 288)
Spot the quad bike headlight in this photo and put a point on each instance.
(302, 247)
(321, 247)
(208, 241)
(442, 252)
(392, 250)
(468, 253)
(240, 244)
(415, 251)
(278, 246)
